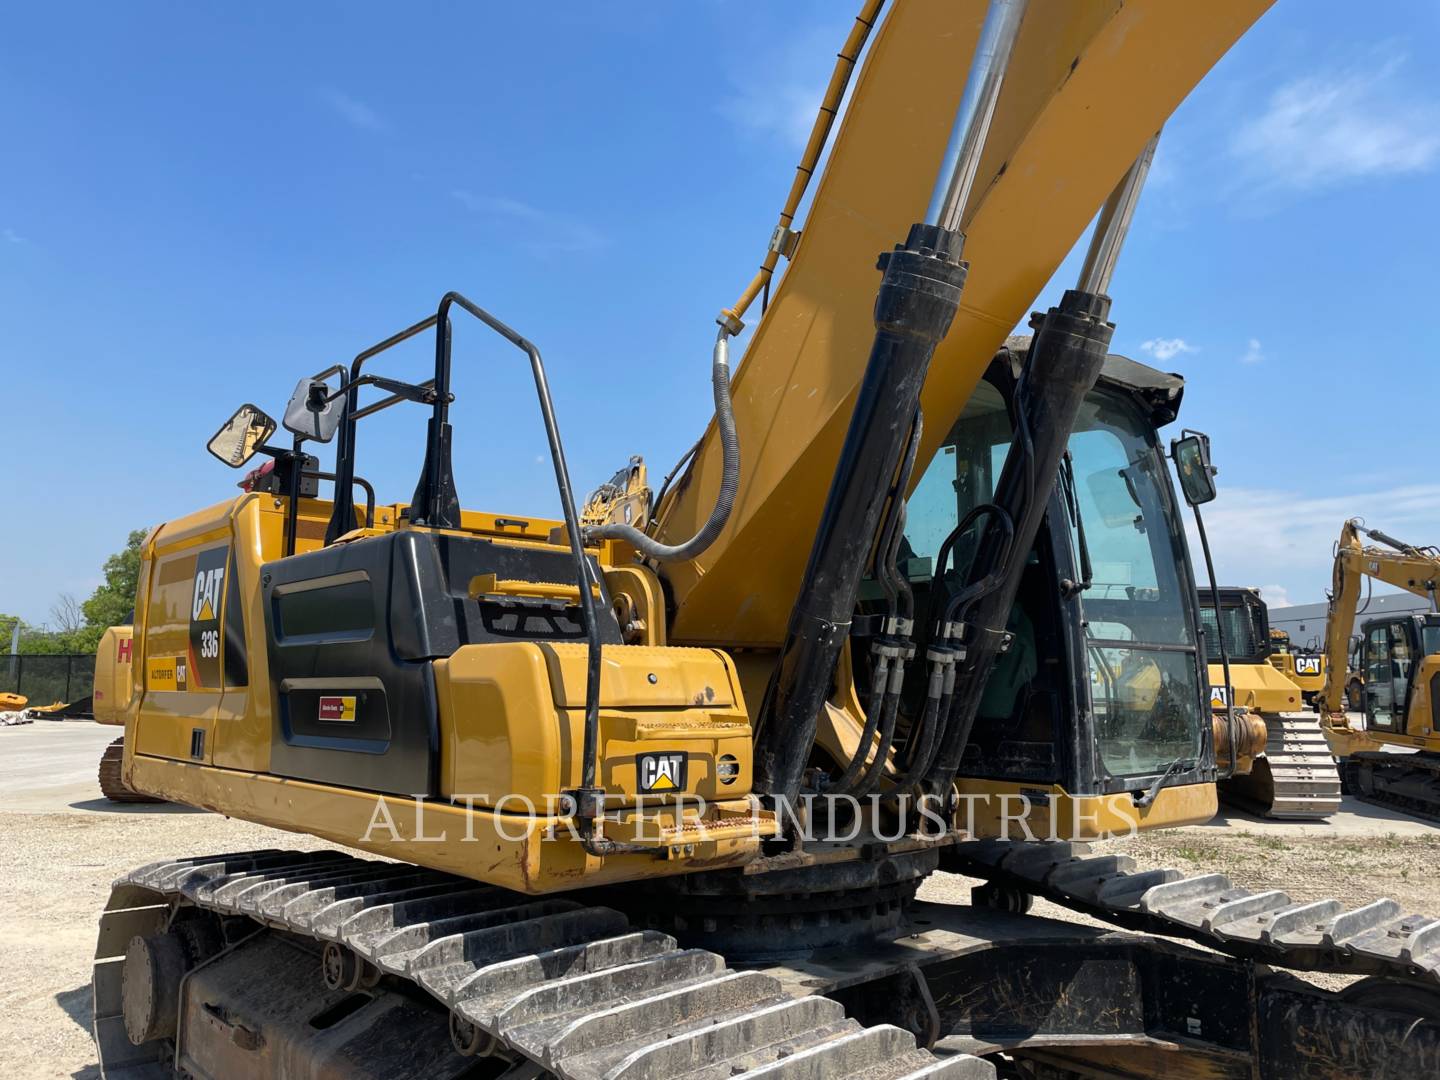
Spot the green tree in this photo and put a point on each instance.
(77, 627)
(111, 604)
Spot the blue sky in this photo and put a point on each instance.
(202, 203)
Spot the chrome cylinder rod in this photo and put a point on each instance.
(1114, 223)
(977, 108)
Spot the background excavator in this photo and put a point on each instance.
(109, 700)
(1399, 659)
(656, 787)
(1294, 777)
(1303, 665)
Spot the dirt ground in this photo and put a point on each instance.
(66, 845)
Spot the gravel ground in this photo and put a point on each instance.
(55, 874)
(60, 857)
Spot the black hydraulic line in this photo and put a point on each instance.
(889, 712)
(1390, 541)
(918, 297)
(894, 643)
(1061, 367)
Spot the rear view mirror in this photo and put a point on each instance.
(1191, 455)
(243, 434)
(314, 410)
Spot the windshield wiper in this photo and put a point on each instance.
(1176, 767)
(1070, 589)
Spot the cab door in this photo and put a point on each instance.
(1386, 676)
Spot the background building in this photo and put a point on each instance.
(1305, 623)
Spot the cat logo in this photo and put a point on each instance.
(1307, 665)
(205, 601)
(661, 772)
(1219, 697)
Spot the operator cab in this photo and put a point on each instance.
(1392, 651)
(1102, 688)
(1241, 615)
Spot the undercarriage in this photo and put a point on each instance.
(319, 964)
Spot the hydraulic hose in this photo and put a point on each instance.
(729, 477)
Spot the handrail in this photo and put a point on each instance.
(342, 517)
(435, 505)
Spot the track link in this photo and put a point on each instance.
(570, 987)
(1376, 939)
(1296, 779)
(112, 784)
(1409, 783)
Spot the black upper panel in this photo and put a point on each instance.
(353, 629)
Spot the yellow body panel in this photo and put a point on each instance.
(512, 720)
(1310, 680)
(111, 694)
(1256, 686)
(514, 851)
(991, 809)
(1089, 85)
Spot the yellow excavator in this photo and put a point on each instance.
(1294, 777)
(1399, 665)
(110, 700)
(652, 791)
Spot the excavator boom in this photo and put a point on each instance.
(1405, 566)
(1089, 85)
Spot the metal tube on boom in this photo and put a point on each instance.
(1061, 366)
(972, 119)
(917, 300)
(1114, 224)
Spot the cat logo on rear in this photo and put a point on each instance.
(663, 772)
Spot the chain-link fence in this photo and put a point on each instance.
(48, 678)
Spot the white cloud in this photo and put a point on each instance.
(354, 112)
(1323, 130)
(11, 236)
(547, 233)
(776, 93)
(1286, 537)
(1163, 349)
(784, 110)
(1254, 354)
(1275, 596)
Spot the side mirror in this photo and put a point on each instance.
(312, 412)
(243, 434)
(1191, 455)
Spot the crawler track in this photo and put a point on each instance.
(1296, 779)
(561, 987)
(1409, 783)
(1377, 939)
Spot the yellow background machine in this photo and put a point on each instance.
(1294, 777)
(1399, 660)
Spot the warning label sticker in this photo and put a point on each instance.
(337, 707)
